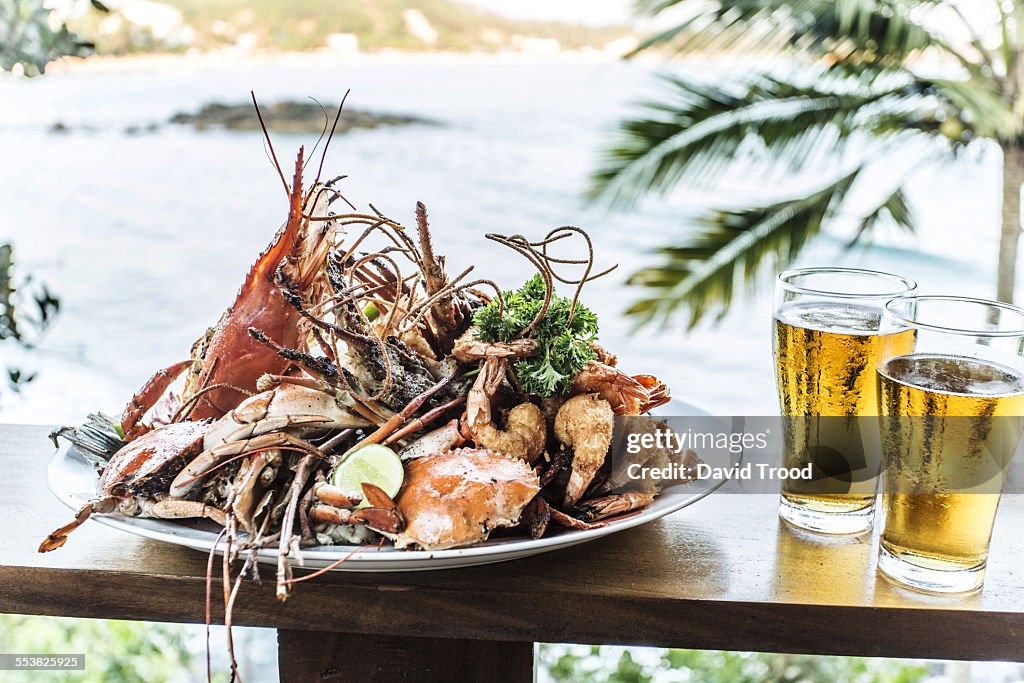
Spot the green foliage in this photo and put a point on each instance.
(696, 130)
(852, 98)
(564, 343)
(867, 32)
(895, 208)
(733, 245)
(115, 651)
(19, 325)
(28, 40)
(591, 664)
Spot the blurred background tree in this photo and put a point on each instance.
(115, 651)
(30, 39)
(849, 85)
(25, 313)
(592, 664)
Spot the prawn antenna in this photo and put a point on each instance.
(323, 155)
(323, 131)
(537, 254)
(266, 135)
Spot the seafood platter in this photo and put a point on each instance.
(359, 407)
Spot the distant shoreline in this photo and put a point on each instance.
(236, 58)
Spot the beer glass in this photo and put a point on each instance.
(952, 413)
(826, 344)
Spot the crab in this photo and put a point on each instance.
(135, 480)
(449, 499)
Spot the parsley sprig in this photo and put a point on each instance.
(564, 345)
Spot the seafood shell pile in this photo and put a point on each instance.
(349, 331)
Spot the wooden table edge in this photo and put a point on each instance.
(854, 630)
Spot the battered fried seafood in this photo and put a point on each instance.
(525, 430)
(584, 423)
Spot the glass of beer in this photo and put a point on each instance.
(952, 410)
(826, 344)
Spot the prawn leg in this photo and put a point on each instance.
(185, 509)
(192, 475)
(59, 537)
(421, 422)
(399, 419)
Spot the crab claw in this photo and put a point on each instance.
(146, 397)
(376, 496)
(334, 496)
(382, 515)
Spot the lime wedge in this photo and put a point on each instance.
(371, 464)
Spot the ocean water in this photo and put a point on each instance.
(145, 238)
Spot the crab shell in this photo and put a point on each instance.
(458, 497)
(147, 465)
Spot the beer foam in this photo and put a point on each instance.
(962, 375)
(832, 317)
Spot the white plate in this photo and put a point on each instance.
(73, 480)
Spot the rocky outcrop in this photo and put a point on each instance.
(289, 116)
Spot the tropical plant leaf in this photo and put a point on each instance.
(895, 208)
(733, 245)
(16, 327)
(877, 32)
(697, 129)
(27, 39)
(979, 105)
(862, 98)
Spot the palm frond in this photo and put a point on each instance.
(882, 33)
(865, 88)
(697, 129)
(980, 105)
(702, 275)
(959, 111)
(895, 208)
